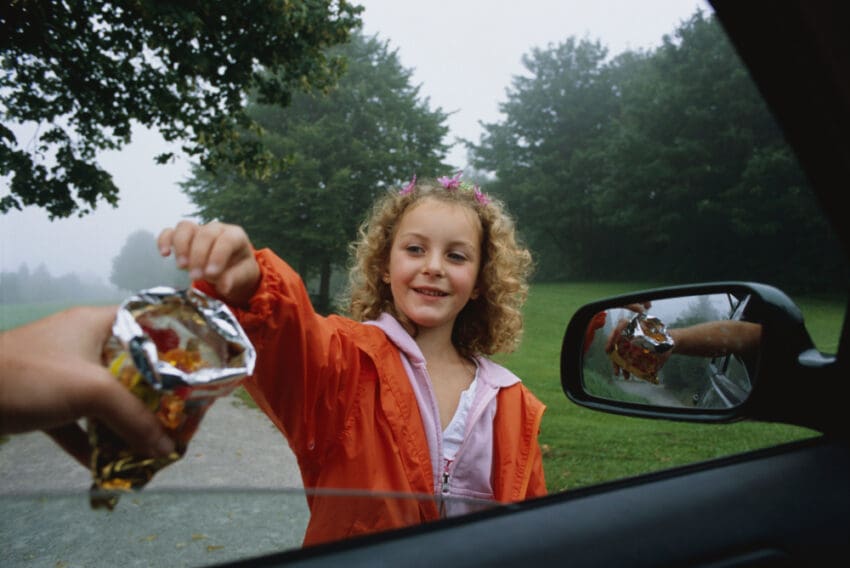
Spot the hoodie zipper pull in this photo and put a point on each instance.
(444, 489)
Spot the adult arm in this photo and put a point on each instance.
(716, 338)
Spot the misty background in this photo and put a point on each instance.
(462, 54)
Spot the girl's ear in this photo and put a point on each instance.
(386, 277)
(475, 293)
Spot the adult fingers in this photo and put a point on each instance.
(99, 320)
(124, 414)
(128, 417)
(108, 400)
(72, 439)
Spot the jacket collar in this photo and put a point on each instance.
(492, 374)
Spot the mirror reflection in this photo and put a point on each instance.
(684, 352)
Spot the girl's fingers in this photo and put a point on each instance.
(231, 247)
(219, 253)
(240, 283)
(163, 241)
(203, 240)
(182, 237)
(206, 251)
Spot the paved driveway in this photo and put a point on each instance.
(229, 497)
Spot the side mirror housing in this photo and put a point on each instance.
(714, 352)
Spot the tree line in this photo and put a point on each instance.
(25, 286)
(663, 165)
(137, 266)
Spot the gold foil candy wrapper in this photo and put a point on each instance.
(178, 351)
(639, 347)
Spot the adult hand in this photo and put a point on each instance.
(51, 375)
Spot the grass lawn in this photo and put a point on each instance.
(13, 315)
(583, 447)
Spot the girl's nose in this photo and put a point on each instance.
(434, 264)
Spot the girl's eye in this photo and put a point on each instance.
(457, 257)
(415, 249)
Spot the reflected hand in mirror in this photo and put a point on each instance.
(720, 349)
(600, 319)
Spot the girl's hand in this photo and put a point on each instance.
(216, 252)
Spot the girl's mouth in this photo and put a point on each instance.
(429, 292)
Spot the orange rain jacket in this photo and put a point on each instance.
(338, 391)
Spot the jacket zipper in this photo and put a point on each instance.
(444, 488)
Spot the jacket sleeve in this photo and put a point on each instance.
(534, 409)
(517, 456)
(537, 480)
(305, 374)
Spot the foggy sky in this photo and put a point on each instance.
(463, 53)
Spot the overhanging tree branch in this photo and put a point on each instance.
(183, 69)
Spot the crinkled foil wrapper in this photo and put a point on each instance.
(639, 347)
(178, 351)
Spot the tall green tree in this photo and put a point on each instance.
(84, 71)
(664, 165)
(543, 151)
(343, 149)
(697, 170)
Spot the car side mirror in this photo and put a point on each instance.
(707, 352)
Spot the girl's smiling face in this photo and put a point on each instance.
(434, 262)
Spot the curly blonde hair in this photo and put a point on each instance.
(490, 323)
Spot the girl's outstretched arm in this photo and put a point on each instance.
(216, 252)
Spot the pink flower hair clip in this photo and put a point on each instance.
(454, 183)
(480, 196)
(408, 189)
(450, 183)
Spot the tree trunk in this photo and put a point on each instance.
(323, 303)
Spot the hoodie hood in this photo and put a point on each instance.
(492, 374)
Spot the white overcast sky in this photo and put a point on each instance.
(463, 53)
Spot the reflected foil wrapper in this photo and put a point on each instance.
(178, 351)
(639, 347)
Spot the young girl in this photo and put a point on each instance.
(400, 398)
